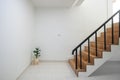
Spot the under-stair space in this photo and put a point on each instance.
(88, 58)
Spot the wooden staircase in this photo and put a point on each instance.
(87, 54)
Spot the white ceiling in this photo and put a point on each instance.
(57, 3)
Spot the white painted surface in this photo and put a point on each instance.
(56, 3)
(115, 53)
(16, 30)
(109, 8)
(48, 71)
(116, 6)
(58, 31)
(79, 2)
(62, 71)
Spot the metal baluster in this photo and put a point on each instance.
(96, 43)
(76, 59)
(119, 23)
(104, 37)
(80, 58)
(112, 32)
(88, 50)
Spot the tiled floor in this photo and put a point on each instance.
(62, 71)
(48, 71)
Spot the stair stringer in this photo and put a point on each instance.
(98, 62)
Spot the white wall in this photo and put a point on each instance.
(16, 30)
(116, 6)
(115, 52)
(58, 31)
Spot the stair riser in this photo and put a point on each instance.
(115, 30)
(93, 52)
(72, 64)
(108, 40)
(83, 64)
(85, 57)
(110, 34)
(101, 46)
(102, 42)
(115, 27)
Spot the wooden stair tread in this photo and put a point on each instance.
(95, 48)
(108, 39)
(115, 29)
(72, 64)
(109, 43)
(83, 60)
(90, 54)
(100, 42)
(110, 29)
(101, 46)
(109, 35)
(93, 52)
(94, 56)
(115, 26)
(86, 62)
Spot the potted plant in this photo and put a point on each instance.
(36, 54)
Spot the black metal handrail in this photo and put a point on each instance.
(75, 50)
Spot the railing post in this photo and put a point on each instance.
(96, 42)
(104, 37)
(80, 58)
(112, 32)
(88, 50)
(119, 23)
(76, 59)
